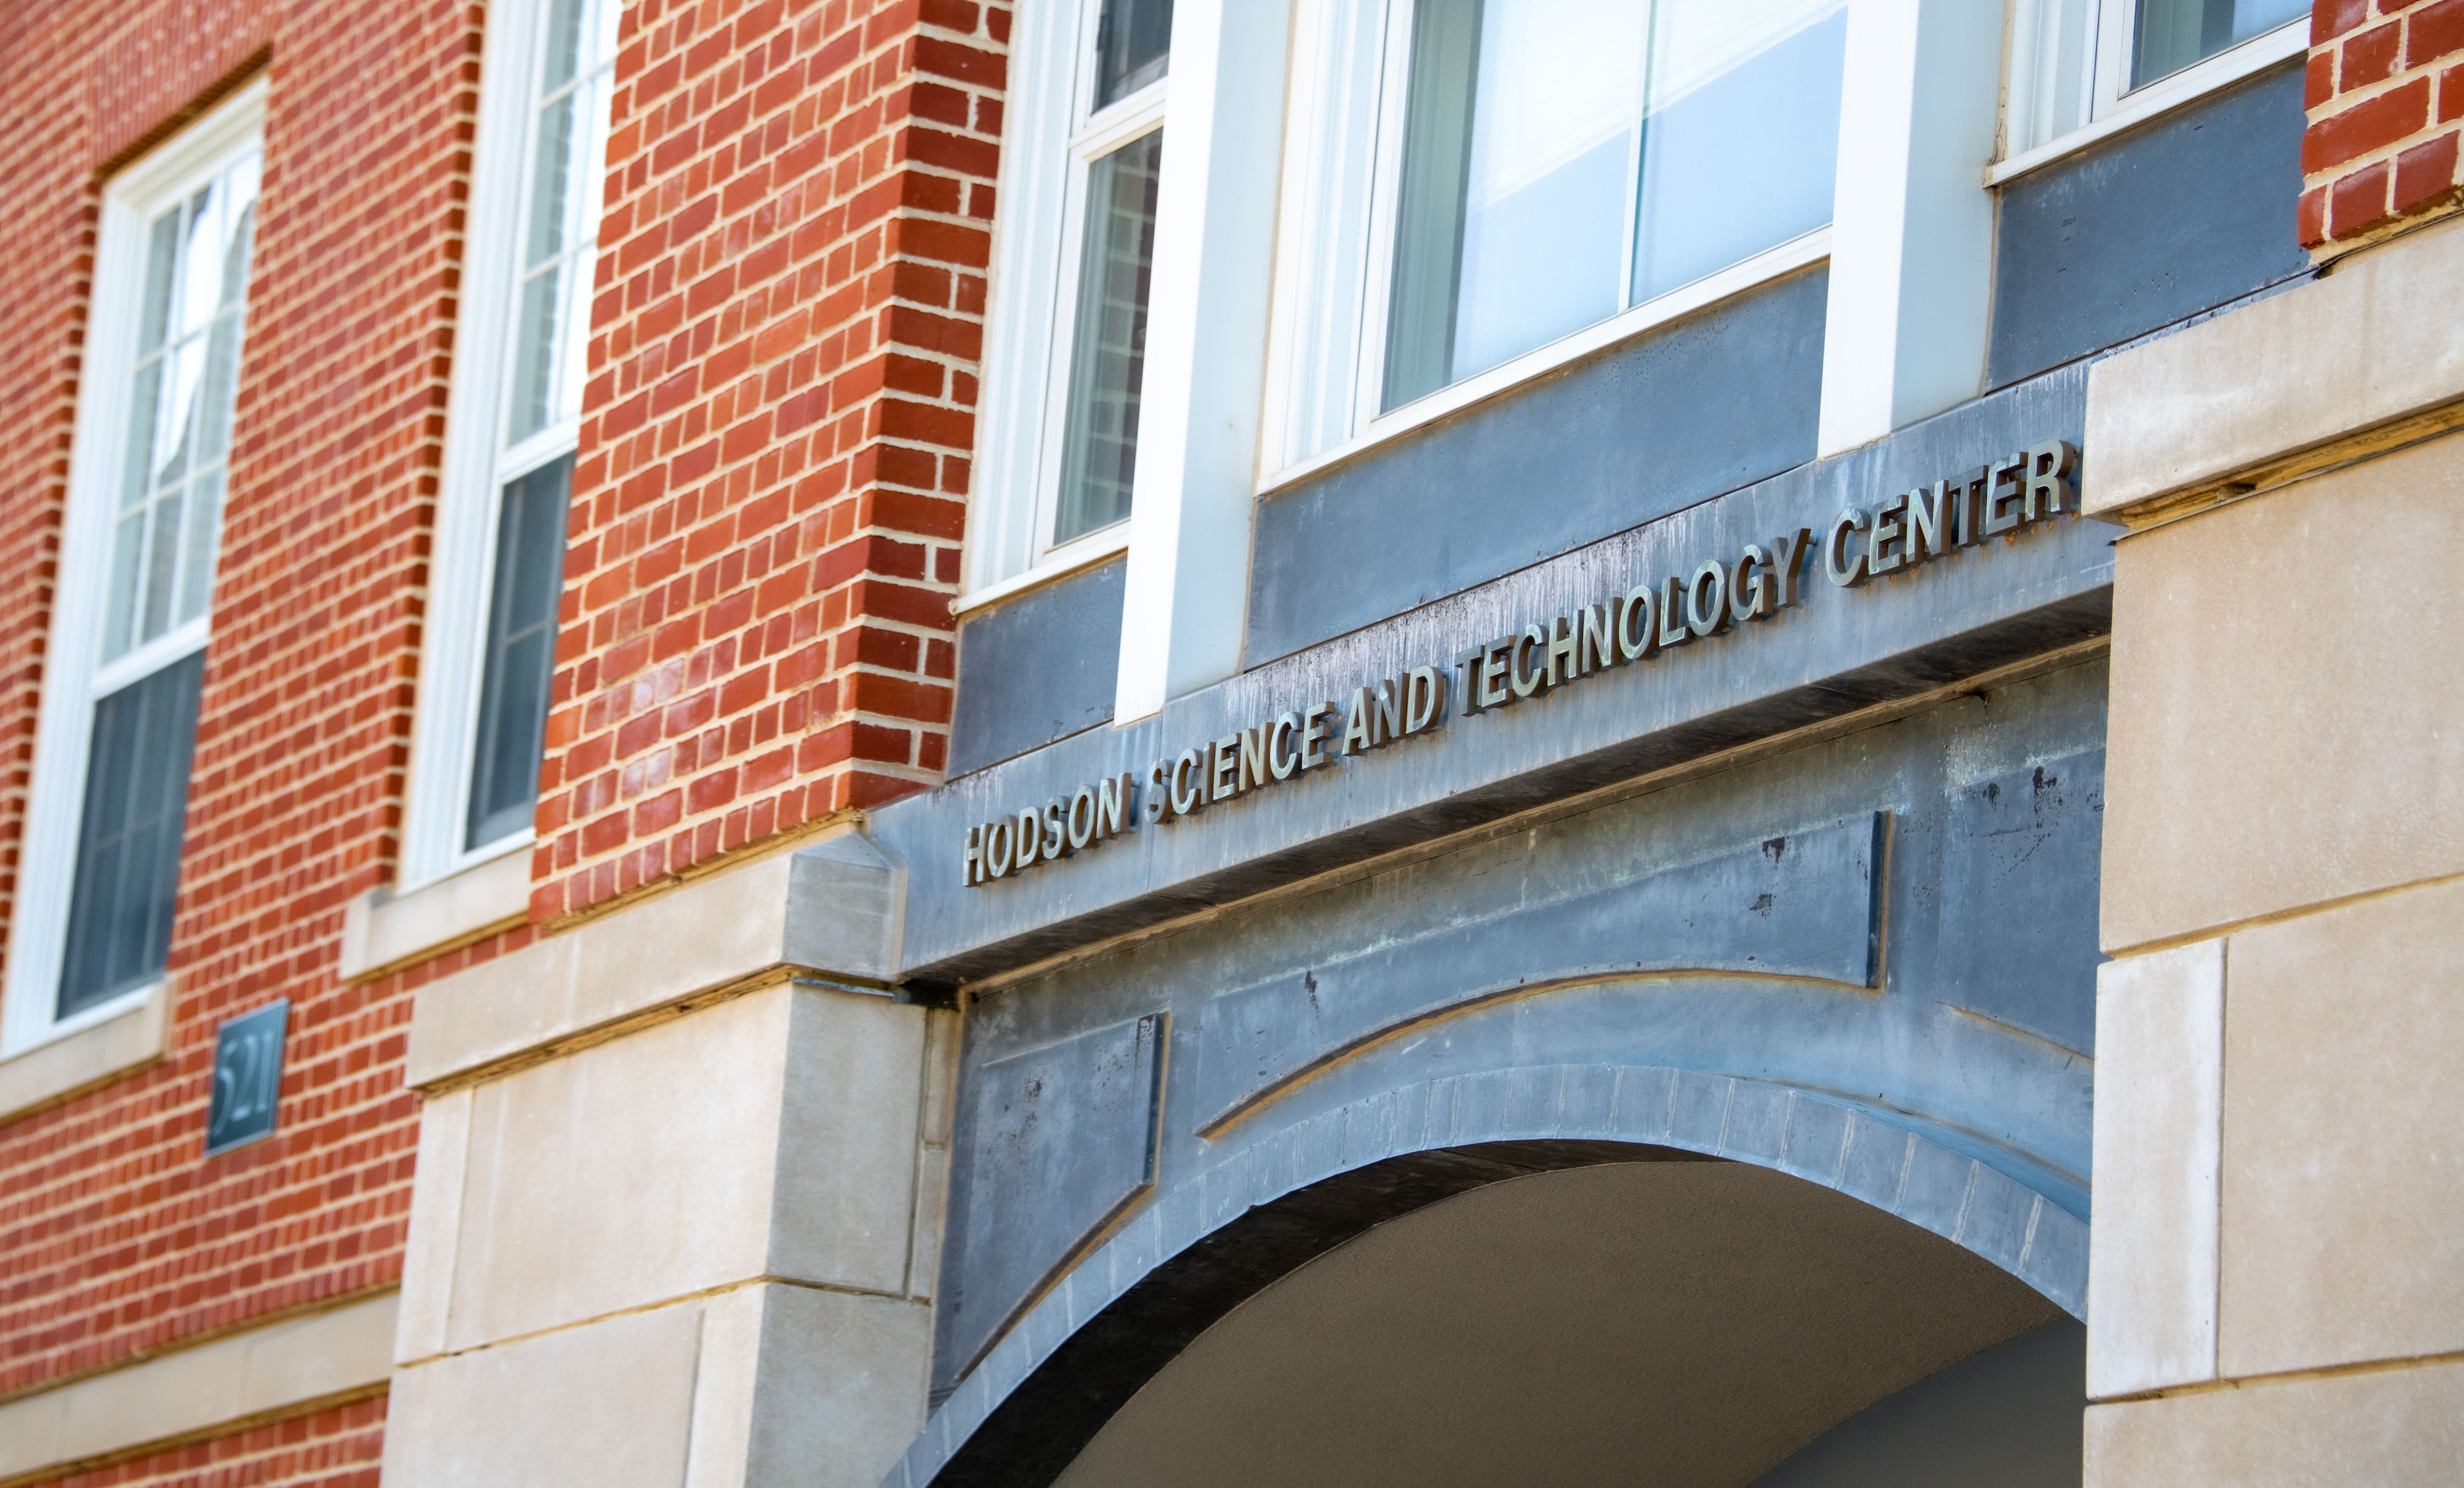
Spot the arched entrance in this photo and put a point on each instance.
(1738, 1267)
(1656, 1321)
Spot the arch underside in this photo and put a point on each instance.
(1191, 1255)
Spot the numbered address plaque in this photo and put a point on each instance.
(247, 1077)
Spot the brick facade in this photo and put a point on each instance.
(2385, 96)
(115, 1236)
(769, 496)
(776, 437)
(330, 1449)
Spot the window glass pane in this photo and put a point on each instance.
(1555, 147)
(1741, 141)
(1132, 46)
(569, 145)
(2175, 33)
(128, 848)
(521, 653)
(1108, 359)
(179, 405)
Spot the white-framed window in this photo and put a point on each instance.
(1530, 180)
(1073, 278)
(2081, 70)
(512, 423)
(147, 477)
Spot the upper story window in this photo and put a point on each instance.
(513, 423)
(1474, 191)
(1565, 159)
(1066, 358)
(2080, 63)
(145, 512)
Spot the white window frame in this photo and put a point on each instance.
(462, 574)
(73, 685)
(2111, 108)
(1040, 242)
(1325, 360)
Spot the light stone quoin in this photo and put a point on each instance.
(2001, 497)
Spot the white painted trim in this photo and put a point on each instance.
(1772, 263)
(1127, 122)
(191, 1393)
(1097, 547)
(1039, 237)
(1912, 234)
(462, 575)
(1024, 296)
(1187, 589)
(72, 679)
(382, 929)
(117, 1037)
(1325, 222)
(2163, 97)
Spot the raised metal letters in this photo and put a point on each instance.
(1900, 535)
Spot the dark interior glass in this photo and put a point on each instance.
(128, 843)
(1132, 46)
(1108, 363)
(521, 653)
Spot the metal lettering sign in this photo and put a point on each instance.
(1716, 597)
(247, 1077)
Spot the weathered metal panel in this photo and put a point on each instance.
(1977, 913)
(1711, 404)
(1065, 1140)
(2176, 217)
(1796, 903)
(1837, 651)
(1038, 668)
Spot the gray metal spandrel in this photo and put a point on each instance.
(1711, 404)
(1796, 903)
(2189, 211)
(1836, 650)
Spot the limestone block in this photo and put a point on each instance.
(2371, 343)
(2279, 667)
(608, 1404)
(437, 1186)
(832, 906)
(2159, 1101)
(770, 1134)
(808, 1387)
(2355, 1431)
(2344, 1136)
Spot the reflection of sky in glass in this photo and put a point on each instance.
(180, 409)
(568, 146)
(1738, 103)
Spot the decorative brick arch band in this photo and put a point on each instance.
(1197, 1251)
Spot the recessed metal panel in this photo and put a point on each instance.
(1796, 905)
(1065, 1140)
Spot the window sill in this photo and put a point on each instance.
(1084, 554)
(2163, 96)
(104, 1051)
(381, 929)
(1737, 278)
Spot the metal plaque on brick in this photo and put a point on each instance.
(247, 1077)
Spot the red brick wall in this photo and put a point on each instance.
(774, 439)
(2387, 104)
(332, 1449)
(768, 506)
(116, 1236)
